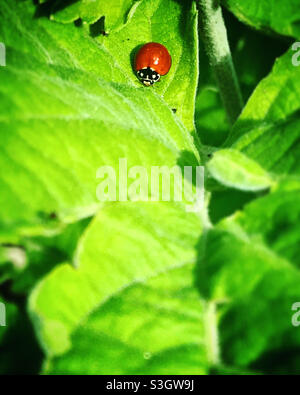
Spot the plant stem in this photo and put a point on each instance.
(214, 34)
(211, 334)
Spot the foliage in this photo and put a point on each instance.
(147, 287)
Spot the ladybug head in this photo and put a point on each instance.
(148, 76)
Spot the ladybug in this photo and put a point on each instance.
(152, 61)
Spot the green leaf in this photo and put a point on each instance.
(90, 11)
(135, 257)
(233, 169)
(43, 253)
(254, 53)
(151, 328)
(280, 16)
(252, 271)
(269, 127)
(253, 56)
(59, 78)
(210, 117)
(226, 202)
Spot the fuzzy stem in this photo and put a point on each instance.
(214, 34)
(211, 334)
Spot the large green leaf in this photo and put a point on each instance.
(135, 261)
(280, 16)
(91, 11)
(151, 328)
(268, 130)
(71, 103)
(252, 270)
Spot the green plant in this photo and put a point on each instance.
(147, 287)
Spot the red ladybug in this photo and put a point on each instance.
(152, 61)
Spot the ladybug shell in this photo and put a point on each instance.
(153, 55)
